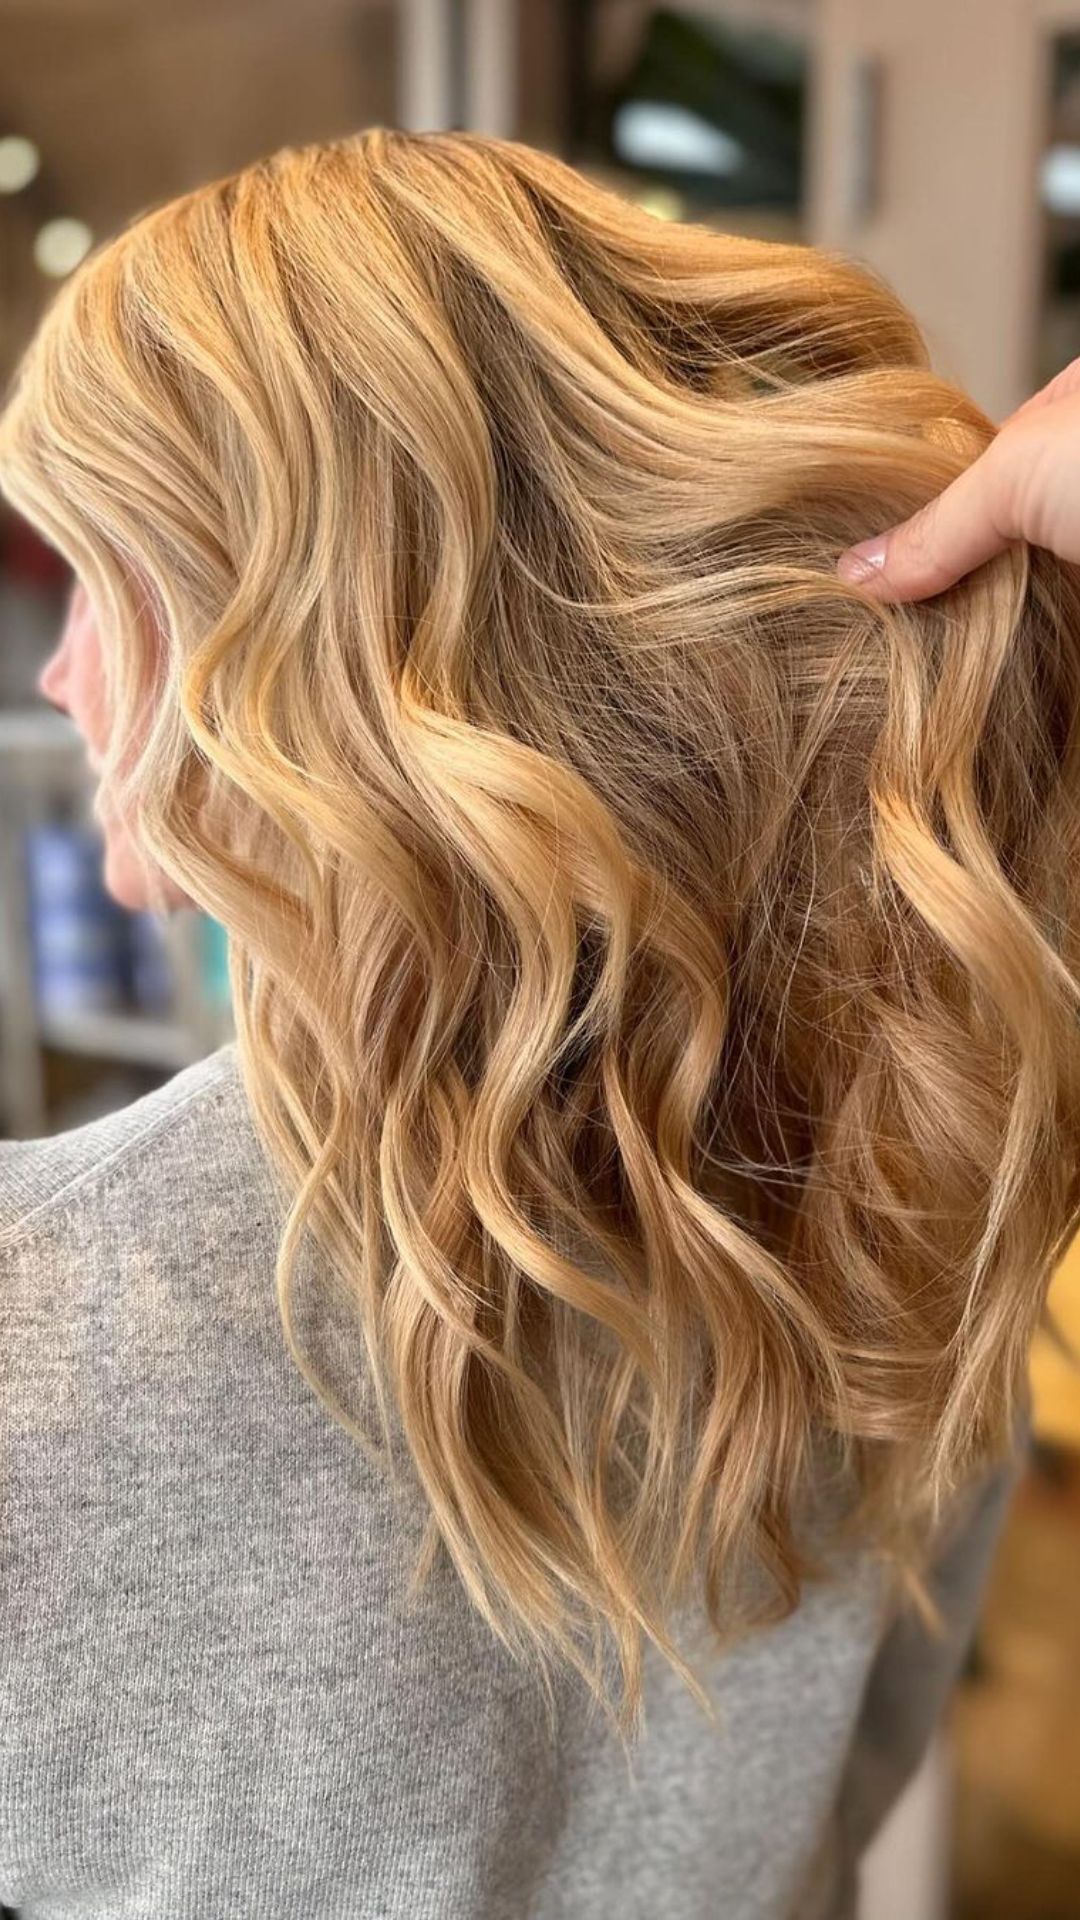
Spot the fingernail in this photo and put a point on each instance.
(861, 562)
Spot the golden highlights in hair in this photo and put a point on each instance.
(654, 962)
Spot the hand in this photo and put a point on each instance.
(1025, 486)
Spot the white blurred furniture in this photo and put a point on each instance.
(905, 1874)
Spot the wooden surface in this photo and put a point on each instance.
(1015, 1721)
(1055, 1380)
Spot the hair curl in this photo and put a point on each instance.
(654, 962)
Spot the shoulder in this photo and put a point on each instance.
(178, 1140)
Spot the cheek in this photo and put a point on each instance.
(87, 698)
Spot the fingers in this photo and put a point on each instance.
(954, 533)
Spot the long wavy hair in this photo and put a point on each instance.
(654, 962)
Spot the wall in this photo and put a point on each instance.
(958, 227)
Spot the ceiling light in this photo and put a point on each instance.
(1060, 176)
(59, 245)
(19, 162)
(654, 133)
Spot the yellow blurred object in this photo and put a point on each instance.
(663, 203)
(1055, 1381)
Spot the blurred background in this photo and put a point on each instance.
(937, 139)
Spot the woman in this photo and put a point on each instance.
(654, 1110)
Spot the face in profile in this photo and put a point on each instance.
(73, 679)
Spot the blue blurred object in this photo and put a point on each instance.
(215, 962)
(78, 933)
(152, 984)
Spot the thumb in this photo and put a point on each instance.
(946, 539)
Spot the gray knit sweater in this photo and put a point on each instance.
(215, 1701)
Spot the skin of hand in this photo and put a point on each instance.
(1025, 486)
(73, 680)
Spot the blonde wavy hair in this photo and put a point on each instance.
(654, 962)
